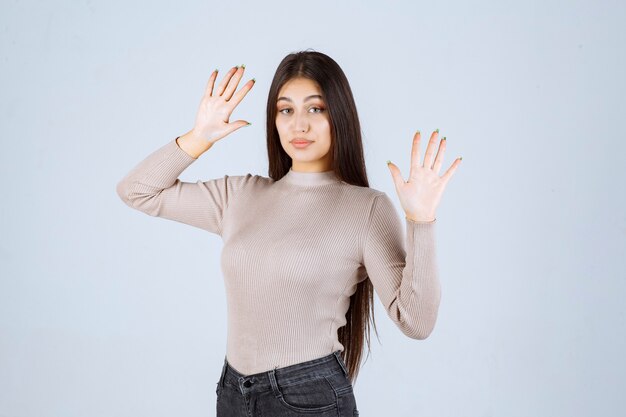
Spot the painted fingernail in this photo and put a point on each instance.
(437, 130)
(243, 65)
(461, 158)
(254, 80)
(388, 162)
(418, 132)
(444, 138)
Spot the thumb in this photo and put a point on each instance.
(237, 125)
(395, 174)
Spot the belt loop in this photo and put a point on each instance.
(221, 381)
(272, 377)
(337, 354)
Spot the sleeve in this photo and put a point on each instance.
(153, 187)
(406, 281)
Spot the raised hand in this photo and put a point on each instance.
(216, 106)
(421, 193)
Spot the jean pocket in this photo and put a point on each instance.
(313, 395)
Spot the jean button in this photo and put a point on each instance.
(247, 383)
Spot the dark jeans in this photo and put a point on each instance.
(319, 387)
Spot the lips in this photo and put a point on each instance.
(300, 141)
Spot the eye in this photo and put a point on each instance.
(320, 110)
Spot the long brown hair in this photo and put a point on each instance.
(348, 164)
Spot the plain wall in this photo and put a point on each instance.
(105, 311)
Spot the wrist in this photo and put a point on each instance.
(193, 145)
(421, 219)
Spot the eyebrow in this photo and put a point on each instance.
(307, 98)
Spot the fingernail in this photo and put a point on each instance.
(236, 66)
(388, 162)
(418, 132)
(461, 158)
(216, 70)
(254, 80)
(248, 124)
(444, 138)
(243, 65)
(437, 130)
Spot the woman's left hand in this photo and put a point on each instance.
(421, 194)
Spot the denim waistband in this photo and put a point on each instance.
(264, 381)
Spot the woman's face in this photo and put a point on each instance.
(301, 114)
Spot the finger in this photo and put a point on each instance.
(238, 124)
(415, 154)
(222, 85)
(439, 157)
(232, 84)
(446, 177)
(396, 176)
(242, 93)
(430, 149)
(208, 91)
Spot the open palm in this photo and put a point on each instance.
(421, 193)
(212, 119)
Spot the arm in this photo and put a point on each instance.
(406, 282)
(153, 187)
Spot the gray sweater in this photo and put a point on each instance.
(293, 252)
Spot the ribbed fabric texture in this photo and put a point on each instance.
(293, 252)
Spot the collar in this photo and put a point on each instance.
(310, 178)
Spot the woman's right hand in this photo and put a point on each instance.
(216, 106)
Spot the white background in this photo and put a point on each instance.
(105, 311)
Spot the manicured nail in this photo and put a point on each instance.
(388, 162)
(248, 124)
(236, 66)
(444, 138)
(254, 80)
(216, 70)
(437, 130)
(418, 132)
(243, 65)
(461, 158)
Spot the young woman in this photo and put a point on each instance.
(305, 248)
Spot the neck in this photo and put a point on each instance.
(310, 178)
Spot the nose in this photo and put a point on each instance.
(301, 123)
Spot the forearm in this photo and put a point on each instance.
(419, 294)
(156, 172)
